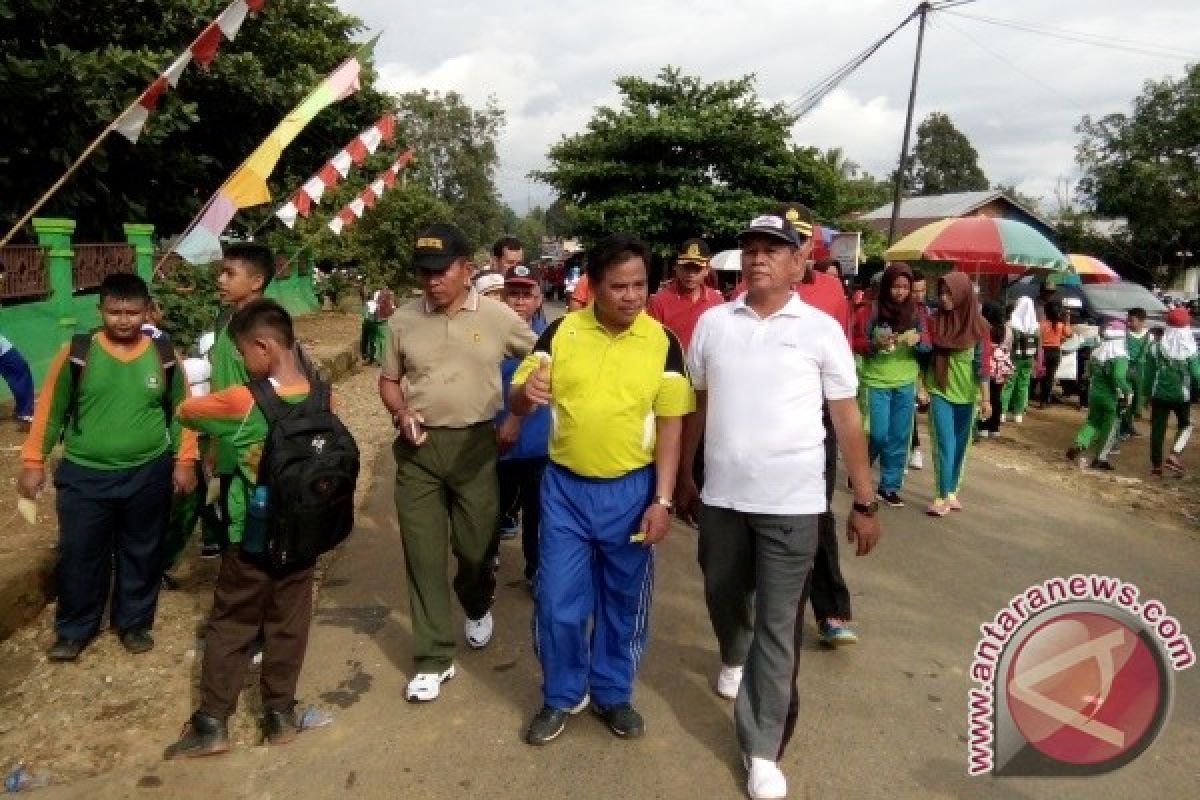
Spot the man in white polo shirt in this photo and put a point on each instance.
(762, 366)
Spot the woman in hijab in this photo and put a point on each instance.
(1025, 341)
(1173, 375)
(888, 337)
(956, 382)
(1108, 376)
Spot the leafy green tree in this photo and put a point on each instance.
(943, 160)
(530, 229)
(456, 158)
(70, 66)
(1145, 166)
(682, 158)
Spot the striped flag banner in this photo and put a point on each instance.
(202, 50)
(337, 168)
(369, 196)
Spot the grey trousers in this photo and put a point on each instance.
(755, 568)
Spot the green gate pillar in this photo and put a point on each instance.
(141, 236)
(55, 235)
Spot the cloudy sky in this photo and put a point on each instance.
(1017, 95)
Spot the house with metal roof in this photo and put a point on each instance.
(916, 212)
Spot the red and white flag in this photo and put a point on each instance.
(369, 196)
(202, 50)
(337, 168)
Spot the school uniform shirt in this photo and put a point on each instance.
(228, 370)
(888, 369)
(607, 391)
(680, 312)
(121, 419)
(534, 439)
(232, 416)
(767, 379)
(966, 369)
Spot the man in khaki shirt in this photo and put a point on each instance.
(441, 384)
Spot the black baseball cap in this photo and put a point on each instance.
(775, 226)
(801, 217)
(438, 246)
(521, 275)
(693, 251)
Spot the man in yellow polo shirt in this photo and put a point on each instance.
(617, 387)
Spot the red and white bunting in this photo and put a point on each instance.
(336, 169)
(369, 196)
(202, 50)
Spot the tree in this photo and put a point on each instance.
(456, 158)
(70, 66)
(530, 229)
(943, 160)
(683, 158)
(1145, 166)
(1034, 204)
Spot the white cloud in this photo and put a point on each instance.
(550, 64)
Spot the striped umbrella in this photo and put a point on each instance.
(1088, 269)
(980, 245)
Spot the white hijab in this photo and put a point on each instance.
(1024, 317)
(1112, 347)
(1178, 344)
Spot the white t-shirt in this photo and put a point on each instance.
(766, 381)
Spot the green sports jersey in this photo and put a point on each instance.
(232, 416)
(121, 421)
(964, 373)
(228, 370)
(1171, 379)
(1109, 380)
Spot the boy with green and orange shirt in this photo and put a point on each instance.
(250, 595)
(114, 482)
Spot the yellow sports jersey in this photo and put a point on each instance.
(607, 391)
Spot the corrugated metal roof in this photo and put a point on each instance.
(937, 206)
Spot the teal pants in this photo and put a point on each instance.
(950, 427)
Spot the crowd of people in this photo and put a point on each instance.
(585, 434)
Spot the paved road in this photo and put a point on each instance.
(885, 719)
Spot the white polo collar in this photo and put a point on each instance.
(794, 307)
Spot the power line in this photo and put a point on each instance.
(1095, 40)
(1012, 65)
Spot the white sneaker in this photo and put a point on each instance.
(916, 460)
(479, 631)
(729, 680)
(1004, 417)
(1018, 418)
(765, 781)
(426, 686)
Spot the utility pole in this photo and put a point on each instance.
(923, 12)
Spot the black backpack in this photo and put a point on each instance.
(81, 345)
(310, 467)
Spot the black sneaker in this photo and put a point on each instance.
(210, 551)
(546, 726)
(169, 582)
(65, 649)
(622, 719)
(891, 498)
(1104, 465)
(203, 735)
(1073, 453)
(279, 727)
(137, 640)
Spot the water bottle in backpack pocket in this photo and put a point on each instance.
(254, 536)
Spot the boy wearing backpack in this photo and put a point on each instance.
(110, 395)
(276, 533)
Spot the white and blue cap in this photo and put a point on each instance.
(775, 226)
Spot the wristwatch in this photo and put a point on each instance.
(665, 502)
(866, 509)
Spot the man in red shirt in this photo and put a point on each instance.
(678, 303)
